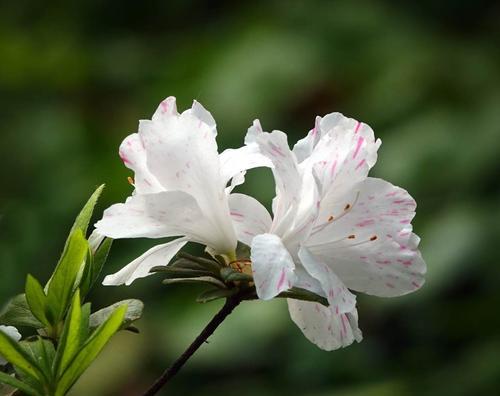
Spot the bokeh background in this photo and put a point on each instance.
(76, 76)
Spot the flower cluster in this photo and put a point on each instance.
(334, 230)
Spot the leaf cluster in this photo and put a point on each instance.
(69, 337)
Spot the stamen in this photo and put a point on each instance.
(130, 180)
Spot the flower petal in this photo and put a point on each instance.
(322, 326)
(133, 155)
(250, 217)
(272, 266)
(182, 154)
(341, 300)
(365, 237)
(140, 267)
(235, 161)
(344, 153)
(165, 214)
(286, 174)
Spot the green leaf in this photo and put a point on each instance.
(71, 339)
(15, 354)
(18, 313)
(93, 267)
(36, 298)
(172, 272)
(133, 313)
(63, 281)
(90, 350)
(201, 279)
(208, 264)
(81, 223)
(15, 383)
(83, 219)
(41, 351)
(304, 295)
(215, 294)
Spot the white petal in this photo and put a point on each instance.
(272, 266)
(198, 111)
(235, 161)
(182, 154)
(322, 326)
(343, 155)
(370, 245)
(140, 267)
(164, 214)
(304, 147)
(341, 300)
(286, 174)
(95, 240)
(250, 217)
(133, 155)
(167, 108)
(13, 333)
(253, 132)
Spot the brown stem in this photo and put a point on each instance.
(231, 303)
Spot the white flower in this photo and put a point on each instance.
(334, 228)
(180, 187)
(13, 333)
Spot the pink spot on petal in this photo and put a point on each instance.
(358, 147)
(281, 281)
(358, 125)
(361, 163)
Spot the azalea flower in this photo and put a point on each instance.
(181, 188)
(13, 333)
(334, 228)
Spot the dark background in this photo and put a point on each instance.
(76, 76)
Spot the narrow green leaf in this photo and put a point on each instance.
(41, 351)
(83, 219)
(134, 312)
(36, 298)
(90, 350)
(63, 281)
(70, 340)
(14, 354)
(304, 295)
(18, 313)
(85, 322)
(172, 272)
(94, 266)
(211, 265)
(215, 294)
(202, 279)
(81, 223)
(15, 383)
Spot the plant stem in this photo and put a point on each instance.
(231, 303)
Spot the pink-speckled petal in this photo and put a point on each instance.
(140, 267)
(167, 108)
(234, 162)
(165, 214)
(341, 300)
(365, 236)
(272, 266)
(250, 217)
(133, 155)
(182, 154)
(286, 174)
(323, 326)
(343, 154)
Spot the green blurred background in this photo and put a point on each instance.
(76, 76)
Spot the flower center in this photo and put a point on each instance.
(242, 265)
